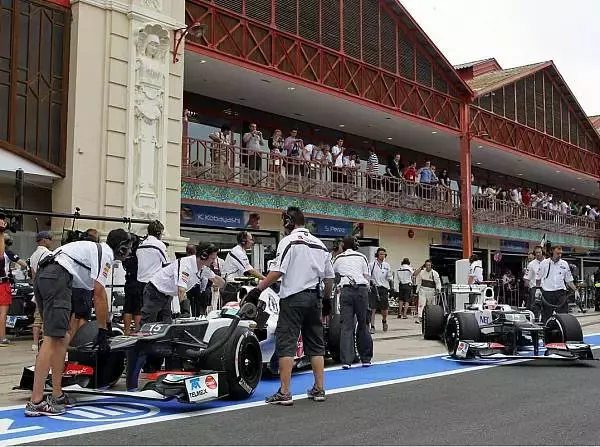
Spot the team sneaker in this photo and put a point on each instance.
(47, 407)
(65, 401)
(346, 366)
(372, 329)
(280, 399)
(366, 364)
(316, 394)
(385, 326)
(5, 342)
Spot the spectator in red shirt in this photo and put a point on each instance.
(526, 197)
(410, 172)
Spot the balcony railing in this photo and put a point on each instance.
(218, 163)
(211, 162)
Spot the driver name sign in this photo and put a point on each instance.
(202, 388)
(462, 349)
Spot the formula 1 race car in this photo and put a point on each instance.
(21, 312)
(215, 358)
(490, 330)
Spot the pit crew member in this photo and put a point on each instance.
(237, 263)
(151, 257)
(352, 268)
(381, 277)
(555, 277)
(534, 300)
(302, 262)
(44, 241)
(82, 264)
(404, 282)
(428, 283)
(176, 279)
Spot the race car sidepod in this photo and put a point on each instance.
(219, 358)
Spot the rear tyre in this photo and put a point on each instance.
(334, 340)
(108, 368)
(461, 326)
(562, 328)
(432, 323)
(240, 358)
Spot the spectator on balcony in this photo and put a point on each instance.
(323, 155)
(563, 207)
(424, 174)
(410, 175)
(222, 150)
(351, 165)
(277, 154)
(293, 147)
(373, 181)
(444, 179)
(337, 153)
(308, 153)
(253, 143)
(515, 195)
(526, 197)
(593, 213)
(393, 172)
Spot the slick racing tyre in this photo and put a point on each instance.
(334, 339)
(461, 326)
(562, 328)
(432, 323)
(240, 358)
(108, 368)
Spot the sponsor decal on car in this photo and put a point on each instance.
(106, 270)
(202, 388)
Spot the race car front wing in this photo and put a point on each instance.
(468, 350)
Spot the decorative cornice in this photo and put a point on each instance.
(134, 12)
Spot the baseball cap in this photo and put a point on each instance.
(43, 235)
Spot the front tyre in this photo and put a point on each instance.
(461, 326)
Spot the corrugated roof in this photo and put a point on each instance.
(495, 79)
(471, 64)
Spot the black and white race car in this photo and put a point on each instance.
(490, 330)
(206, 359)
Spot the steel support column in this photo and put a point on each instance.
(466, 203)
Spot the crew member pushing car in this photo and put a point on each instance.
(82, 264)
(237, 263)
(534, 278)
(302, 262)
(381, 276)
(352, 268)
(555, 277)
(176, 279)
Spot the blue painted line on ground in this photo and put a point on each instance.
(14, 425)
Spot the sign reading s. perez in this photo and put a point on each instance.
(202, 387)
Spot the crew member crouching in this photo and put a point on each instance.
(353, 270)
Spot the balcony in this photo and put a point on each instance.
(219, 164)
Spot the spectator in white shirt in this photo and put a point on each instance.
(253, 142)
(337, 154)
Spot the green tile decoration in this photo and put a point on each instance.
(244, 197)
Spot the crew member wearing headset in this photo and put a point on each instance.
(475, 270)
(428, 283)
(352, 269)
(237, 263)
(302, 262)
(534, 279)
(555, 276)
(176, 279)
(381, 278)
(151, 256)
(82, 264)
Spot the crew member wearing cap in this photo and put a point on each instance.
(534, 279)
(381, 278)
(44, 241)
(82, 264)
(151, 256)
(237, 263)
(302, 262)
(176, 279)
(555, 276)
(352, 269)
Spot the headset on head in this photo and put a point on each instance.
(355, 244)
(242, 237)
(205, 251)
(125, 248)
(288, 221)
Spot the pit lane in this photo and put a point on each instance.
(468, 405)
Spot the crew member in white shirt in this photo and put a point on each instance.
(381, 277)
(555, 276)
(176, 279)
(44, 241)
(428, 283)
(533, 278)
(237, 263)
(352, 268)
(81, 264)
(404, 283)
(302, 262)
(475, 270)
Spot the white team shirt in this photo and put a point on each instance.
(380, 273)
(335, 150)
(80, 259)
(555, 274)
(40, 253)
(181, 273)
(152, 256)
(533, 273)
(476, 271)
(404, 275)
(351, 265)
(306, 258)
(236, 263)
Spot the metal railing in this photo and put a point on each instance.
(211, 162)
(502, 212)
(219, 163)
